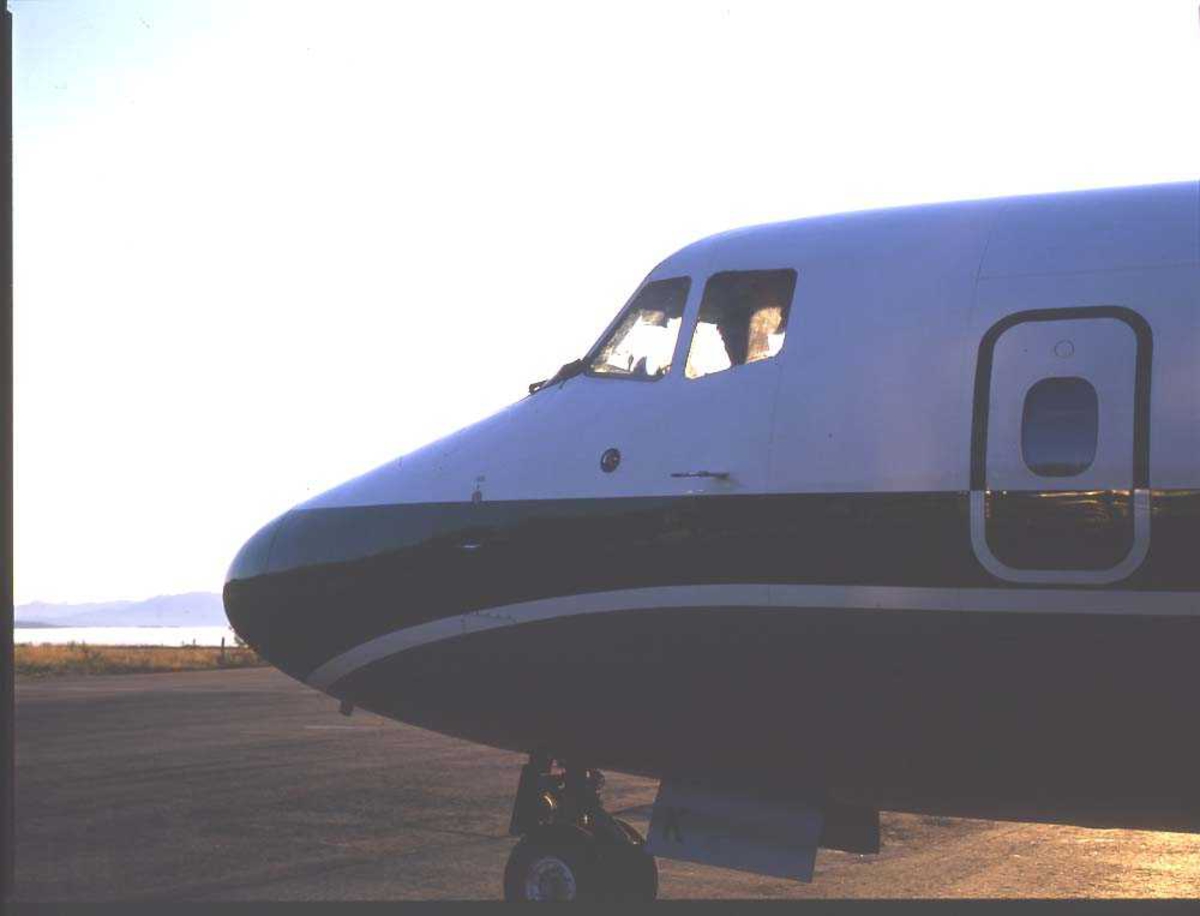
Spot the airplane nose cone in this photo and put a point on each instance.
(249, 564)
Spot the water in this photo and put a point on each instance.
(125, 636)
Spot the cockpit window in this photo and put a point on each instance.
(743, 318)
(643, 342)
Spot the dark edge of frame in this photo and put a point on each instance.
(840, 907)
(7, 746)
(983, 383)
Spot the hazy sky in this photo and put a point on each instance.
(262, 247)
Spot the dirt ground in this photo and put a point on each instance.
(244, 785)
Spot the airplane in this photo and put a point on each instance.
(891, 510)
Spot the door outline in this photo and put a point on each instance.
(1141, 448)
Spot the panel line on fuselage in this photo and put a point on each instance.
(751, 596)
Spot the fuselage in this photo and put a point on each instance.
(923, 530)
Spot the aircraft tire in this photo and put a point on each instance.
(631, 875)
(552, 865)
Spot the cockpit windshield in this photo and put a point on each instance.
(643, 342)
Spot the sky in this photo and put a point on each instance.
(261, 247)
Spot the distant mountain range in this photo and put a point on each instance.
(195, 609)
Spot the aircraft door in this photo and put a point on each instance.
(1060, 446)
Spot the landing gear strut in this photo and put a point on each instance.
(571, 848)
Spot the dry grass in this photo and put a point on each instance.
(80, 658)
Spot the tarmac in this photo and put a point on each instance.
(245, 785)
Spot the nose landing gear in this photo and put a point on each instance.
(571, 848)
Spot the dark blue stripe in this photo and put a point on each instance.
(338, 577)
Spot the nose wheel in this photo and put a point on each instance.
(570, 847)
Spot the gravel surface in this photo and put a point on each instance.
(244, 785)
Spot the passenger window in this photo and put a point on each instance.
(643, 342)
(743, 318)
(1059, 427)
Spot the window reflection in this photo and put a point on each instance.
(643, 342)
(1059, 426)
(743, 319)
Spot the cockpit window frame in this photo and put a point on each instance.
(620, 317)
(688, 332)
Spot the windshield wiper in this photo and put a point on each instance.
(568, 370)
